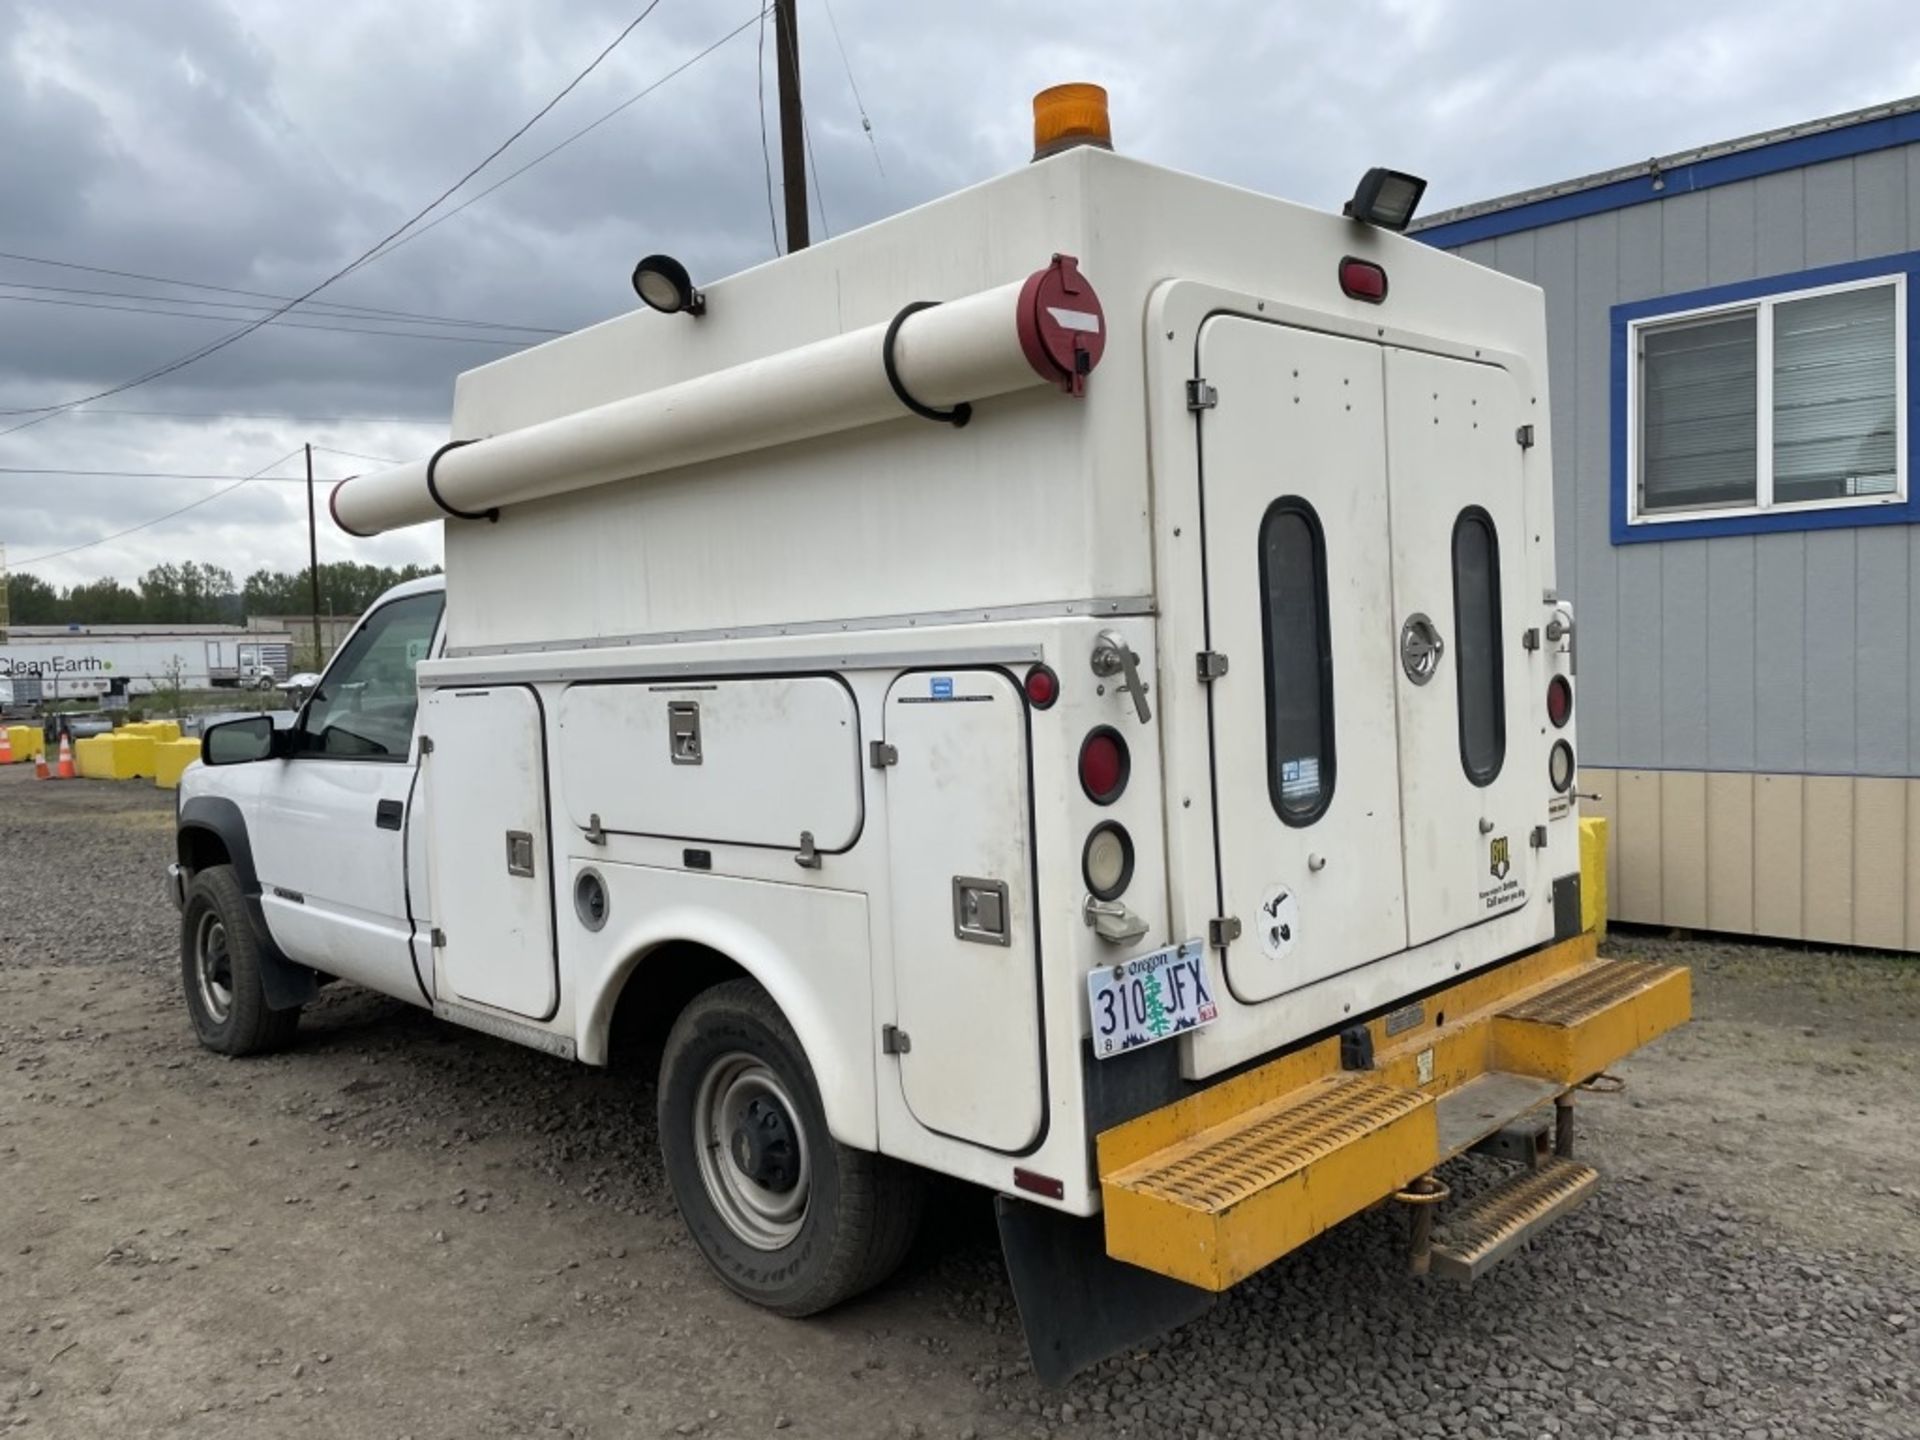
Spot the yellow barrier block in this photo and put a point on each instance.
(170, 760)
(156, 730)
(1593, 876)
(27, 742)
(93, 757)
(114, 757)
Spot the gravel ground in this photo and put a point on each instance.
(402, 1228)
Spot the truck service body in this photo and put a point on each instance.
(1105, 736)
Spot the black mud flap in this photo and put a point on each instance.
(1078, 1305)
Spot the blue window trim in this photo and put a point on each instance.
(1830, 519)
(1885, 133)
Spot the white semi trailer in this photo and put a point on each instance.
(1105, 736)
(49, 663)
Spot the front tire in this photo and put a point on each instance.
(790, 1218)
(220, 970)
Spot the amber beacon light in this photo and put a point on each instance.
(1068, 115)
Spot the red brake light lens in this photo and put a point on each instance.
(1042, 687)
(1363, 280)
(1104, 765)
(1559, 701)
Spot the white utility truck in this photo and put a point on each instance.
(1062, 688)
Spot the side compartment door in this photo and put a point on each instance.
(1472, 773)
(492, 865)
(965, 954)
(1293, 484)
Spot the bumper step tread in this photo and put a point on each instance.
(1491, 1226)
(1213, 1209)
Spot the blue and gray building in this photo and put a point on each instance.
(1732, 333)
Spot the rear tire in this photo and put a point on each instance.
(790, 1218)
(220, 970)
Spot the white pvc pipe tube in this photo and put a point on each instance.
(963, 350)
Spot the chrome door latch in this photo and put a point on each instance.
(1113, 656)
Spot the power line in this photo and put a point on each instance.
(268, 415)
(819, 194)
(47, 412)
(158, 519)
(766, 155)
(356, 455)
(865, 123)
(319, 307)
(147, 474)
(584, 130)
(222, 319)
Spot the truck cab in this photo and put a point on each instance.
(1106, 736)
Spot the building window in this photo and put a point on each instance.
(1293, 585)
(1789, 402)
(1476, 616)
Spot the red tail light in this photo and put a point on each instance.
(1104, 765)
(1042, 687)
(1363, 280)
(1559, 701)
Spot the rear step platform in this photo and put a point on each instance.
(1480, 1234)
(1220, 1184)
(1214, 1209)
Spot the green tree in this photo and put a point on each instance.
(103, 602)
(32, 601)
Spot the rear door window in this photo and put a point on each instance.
(1293, 582)
(1476, 609)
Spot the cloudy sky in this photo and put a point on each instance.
(261, 146)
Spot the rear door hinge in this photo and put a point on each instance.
(894, 1040)
(880, 754)
(1524, 437)
(1211, 664)
(1538, 839)
(1201, 395)
(426, 745)
(439, 938)
(1223, 932)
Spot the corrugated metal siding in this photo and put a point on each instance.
(1783, 653)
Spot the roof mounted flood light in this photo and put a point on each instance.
(1386, 198)
(663, 283)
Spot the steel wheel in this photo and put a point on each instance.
(213, 967)
(752, 1151)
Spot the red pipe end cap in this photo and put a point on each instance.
(1063, 330)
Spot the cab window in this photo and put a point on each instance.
(364, 707)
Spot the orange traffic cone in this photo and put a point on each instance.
(6, 747)
(67, 772)
(40, 770)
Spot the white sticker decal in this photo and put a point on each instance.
(1279, 921)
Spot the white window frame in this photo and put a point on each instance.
(1761, 307)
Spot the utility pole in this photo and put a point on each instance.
(313, 564)
(793, 135)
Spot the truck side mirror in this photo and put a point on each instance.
(239, 742)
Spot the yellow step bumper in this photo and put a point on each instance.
(1219, 1185)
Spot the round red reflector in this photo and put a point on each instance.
(1559, 701)
(1104, 765)
(1043, 687)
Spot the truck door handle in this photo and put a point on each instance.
(388, 814)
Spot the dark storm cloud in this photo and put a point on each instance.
(264, 144)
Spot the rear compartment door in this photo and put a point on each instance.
(965, 957)
(489, 856)
(1299, 599)
(1471, 786)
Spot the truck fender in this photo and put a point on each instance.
(845, 1080)
(287, 983)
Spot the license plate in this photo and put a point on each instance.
(1150, 997)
